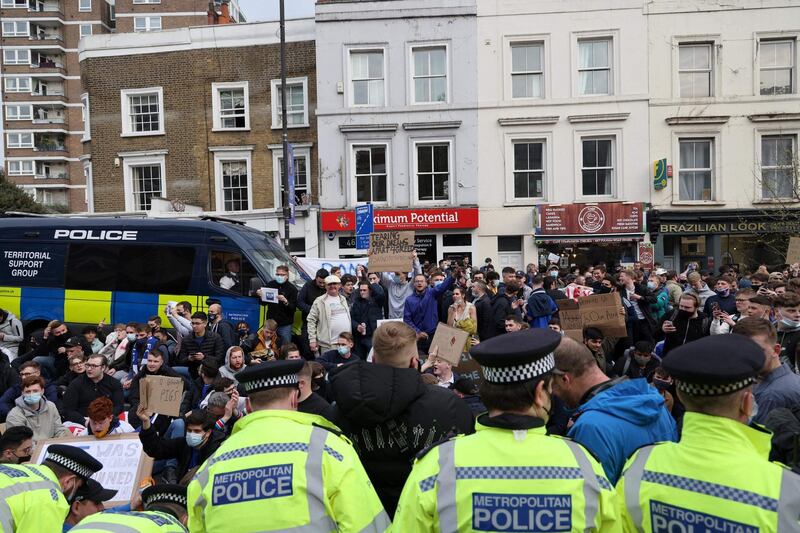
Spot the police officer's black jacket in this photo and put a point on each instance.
(390, 414)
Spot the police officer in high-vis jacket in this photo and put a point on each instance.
(283, 470)
(164, 512)
(37, 497)
(718, 477)
(510, 475)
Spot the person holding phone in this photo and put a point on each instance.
(724, 298)
(685, 324)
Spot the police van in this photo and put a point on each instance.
(87, 270)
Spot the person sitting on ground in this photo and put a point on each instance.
(90, 336)
(77, 367)
(200, 387)
(192, 450)
(16, 445)
(9, 398)
(35, 411)
(290, 351)
(155, 366)
(234, 362)
(638, 362)
(92, 384)
(102, 421)
(265, 347)
(341, 355)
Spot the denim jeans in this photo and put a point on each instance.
(48, 364)
(284, 335)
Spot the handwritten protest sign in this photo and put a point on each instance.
(450, 342)
(793, 253)
(469, 368)
(124, 462)
(161, 394)
(391, 251)
(601, 311)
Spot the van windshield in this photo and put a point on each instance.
(269, 255)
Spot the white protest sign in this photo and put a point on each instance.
(269, 296)
(348, 266)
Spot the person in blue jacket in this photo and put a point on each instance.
(421, 311)
(613, 418)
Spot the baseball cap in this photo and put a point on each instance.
(332, 279)
(72, 342)
(94, 491)
(520, 274)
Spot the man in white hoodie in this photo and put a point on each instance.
(35, 411)
(11, 334)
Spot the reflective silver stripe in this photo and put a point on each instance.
(789, 503)
(633, 483)
(106, 526)
(446, 493)
(315, 485)
(379, 524)
(6, 517)
(591, 487)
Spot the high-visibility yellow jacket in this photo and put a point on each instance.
(130, 522)
(503, 479)
(284, 470)
(30, 499)
(717, 478)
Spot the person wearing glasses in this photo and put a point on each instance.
(724, 322)
(77, 367)
(92, 384)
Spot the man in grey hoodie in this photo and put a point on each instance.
(32, 409)
(699, 288)
(11, 334)
(398, 288)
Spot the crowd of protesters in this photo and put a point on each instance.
(611, 394)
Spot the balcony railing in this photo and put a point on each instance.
(47, 120)
(51, 176)
(50, 147)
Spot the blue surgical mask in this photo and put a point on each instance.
(790, 323)
(131, 337)
(437, 283)
(32, 399)
(753, 413)
(651, 285)
(554, 273)
(280, 279)
(343, 350)
(396, 278)
(194, 439)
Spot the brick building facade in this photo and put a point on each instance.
(215, 142)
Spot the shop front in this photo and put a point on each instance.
(711, 238)
(447, 233)
(586, 234)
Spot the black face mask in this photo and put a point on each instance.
(243, 332)
(683, 315)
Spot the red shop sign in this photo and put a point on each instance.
(405, 219)
(590, 219)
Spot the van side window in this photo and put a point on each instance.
(231, 271)
(130, 268)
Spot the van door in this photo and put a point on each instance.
(235, 282)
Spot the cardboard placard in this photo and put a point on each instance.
(161, 394)
(601, 311)
(391, 251)
(469, 368)
(793, 252)
(450, 342)
(124, 462)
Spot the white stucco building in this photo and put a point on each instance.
(562, 119)
(725, 114)
(397, 118)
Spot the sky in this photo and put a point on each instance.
(256, 10)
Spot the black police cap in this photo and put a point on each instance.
(73, 459)
(164, 493)
(270, 375)
(517, 357)
(715, 365)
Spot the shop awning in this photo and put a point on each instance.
(578, 239)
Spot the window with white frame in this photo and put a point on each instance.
(527, 72)
(142, 111)
(17, 57)
(147, 182)
(597, 167)
(143, 24)
(16, 84)
(529, 169)
(594, 67)
(429, 78)
(85, 29)
(20, 168)
(696, 173)
(778, 158)
(234, 185)
(19, 112)
(296, 103)
(18, 28)
(84, 5)
(52, 197)
(370, 171)
(433, 172)
(14, 3)
(302, 193)
(777, 66)
(231, 106)
(695, 70)
(19, 140)
(146, 1)
(87, 135)
(367, 84)
(112, 12)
